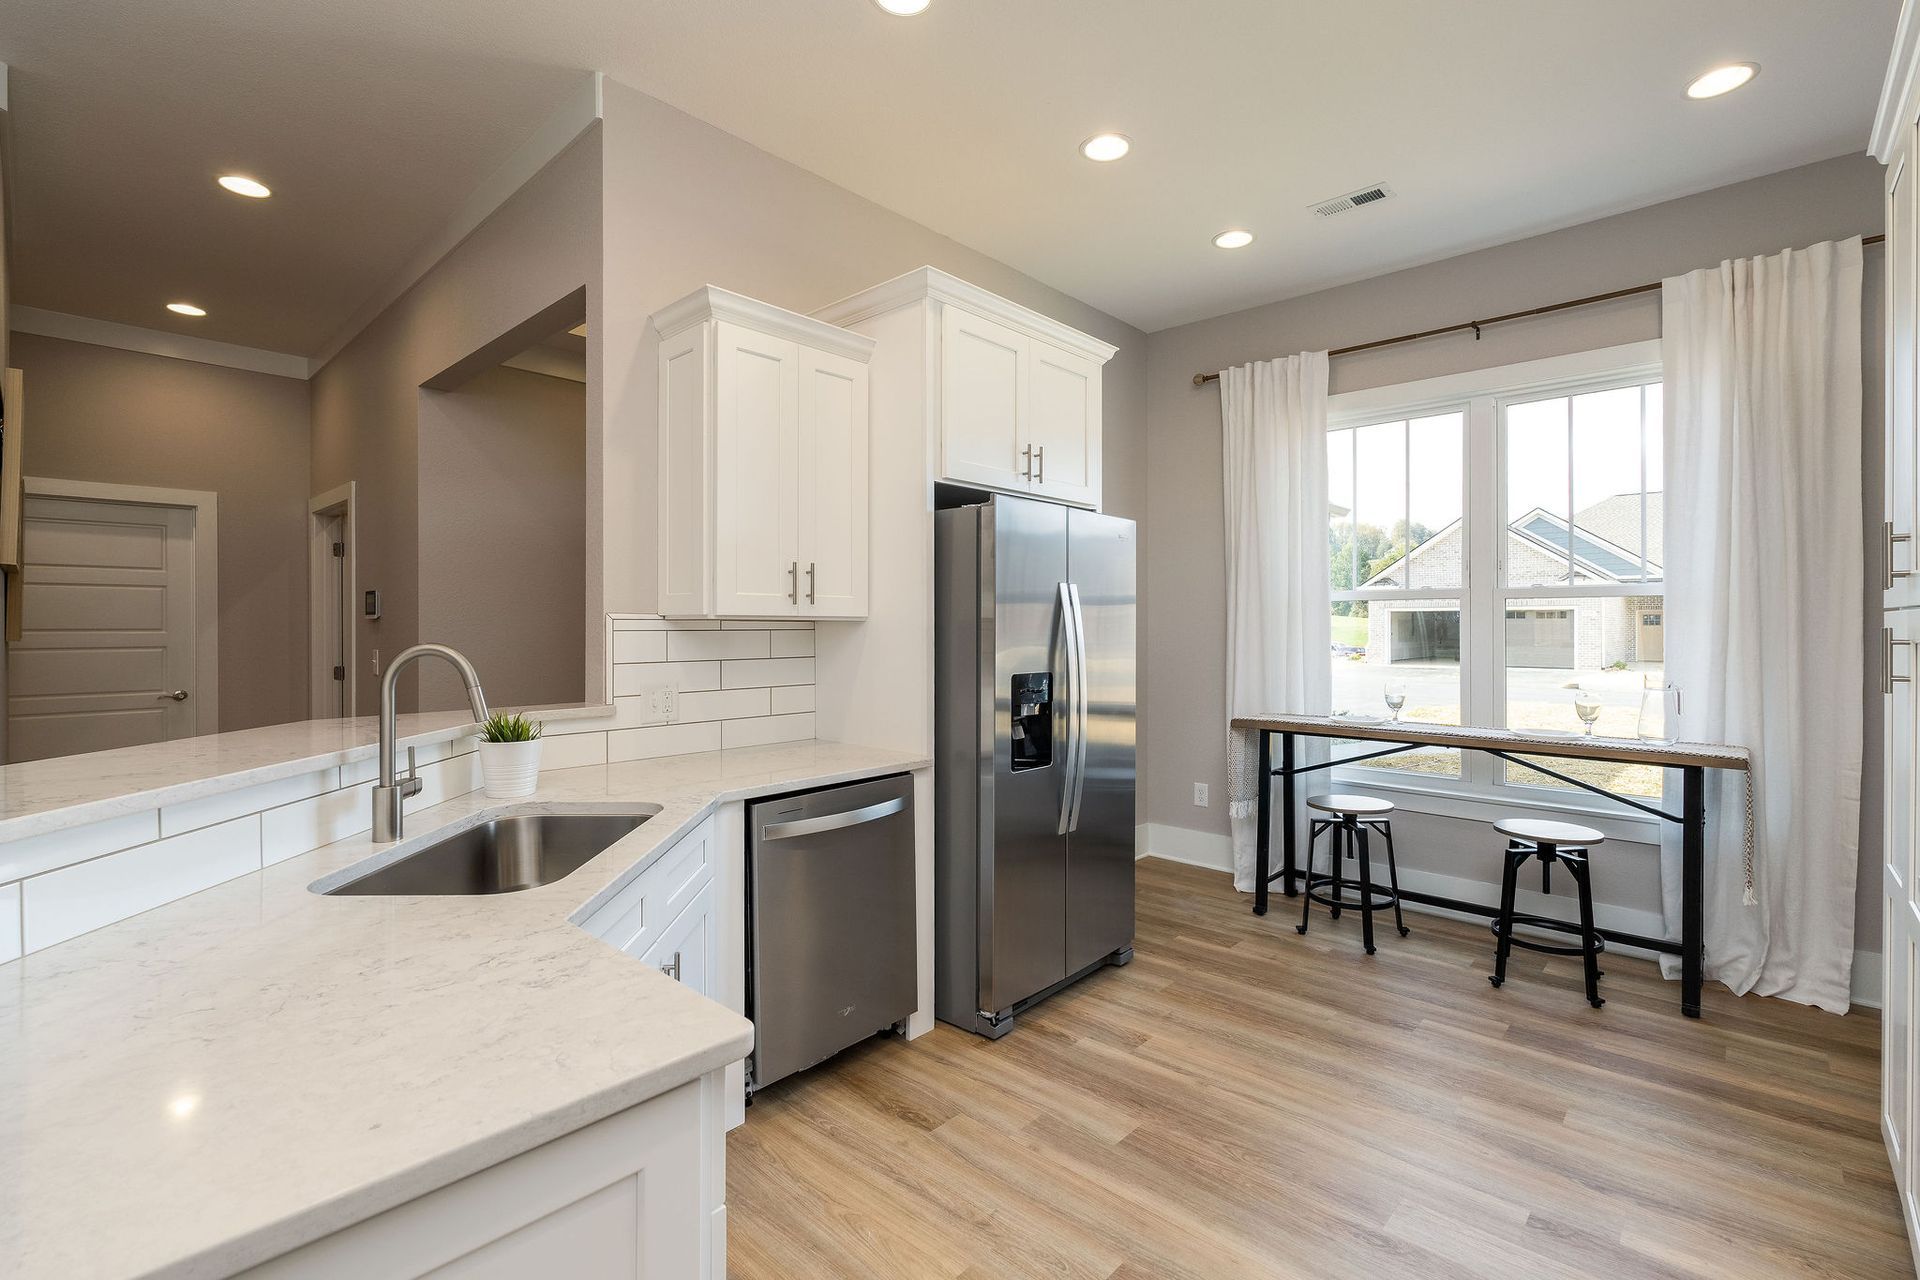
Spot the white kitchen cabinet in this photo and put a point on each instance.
(636, 916)
(1896, 145)
(763, 462)
(1015, 397)
(687, 950)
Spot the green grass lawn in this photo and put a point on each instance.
(1349, 630)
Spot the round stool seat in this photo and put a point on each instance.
(1540, 831)
(1351, 806)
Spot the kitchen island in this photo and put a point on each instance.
(262, 1076)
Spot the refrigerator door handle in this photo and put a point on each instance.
(1082, 704)
(1069, 632)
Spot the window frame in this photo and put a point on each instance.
(1482, 397)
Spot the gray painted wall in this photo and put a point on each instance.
(1183, 646)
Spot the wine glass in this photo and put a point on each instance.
(1396, 695)
(1586, 705)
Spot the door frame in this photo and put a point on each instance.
(322, 507)
(205, 505)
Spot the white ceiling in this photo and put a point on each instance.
(1491, 120)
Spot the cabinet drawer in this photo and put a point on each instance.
(633, 919)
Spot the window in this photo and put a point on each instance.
(1494, 546)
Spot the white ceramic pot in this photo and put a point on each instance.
(510, 769)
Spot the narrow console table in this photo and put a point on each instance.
(1693, 759)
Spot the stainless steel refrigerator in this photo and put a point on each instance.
(1034, 777)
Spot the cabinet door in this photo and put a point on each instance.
(983, 401)
(1901, 896)
(1063, 425)
(1902, 460)
(755, 533)
(686, 949)
(833, 495)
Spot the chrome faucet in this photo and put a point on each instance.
(391, 790)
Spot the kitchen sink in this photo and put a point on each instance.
(504, 855)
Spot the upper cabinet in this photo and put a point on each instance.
(1017, 398)
(763, 462)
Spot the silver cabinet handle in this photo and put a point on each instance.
(1040, 465)
(832, 821)
(671, 967)
(1069, 767)
(178, 695)
(793, 582)
(1892, 572)
(1026, 459)
(812, 565)
(1887, 678)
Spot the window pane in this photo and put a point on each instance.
(1380, 503)
(1537, 535)
(1415, 643)
(1604, 645)
(1609, 513)
(1435, 493)
(1340, 553)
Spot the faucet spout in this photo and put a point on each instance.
(392, 790)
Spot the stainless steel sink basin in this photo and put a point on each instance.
(502, 856)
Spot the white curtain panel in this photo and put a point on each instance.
(1273, 427)
(1765, 604)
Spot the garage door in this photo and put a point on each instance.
(1425, 635)
(1540, 638)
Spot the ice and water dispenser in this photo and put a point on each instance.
(1032, 720)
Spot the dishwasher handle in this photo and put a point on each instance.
(833, 821)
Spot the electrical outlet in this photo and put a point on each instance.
(660, 705)
(1200, 794)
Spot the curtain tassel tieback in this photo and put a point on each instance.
(1749, 898)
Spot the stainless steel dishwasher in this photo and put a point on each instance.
(831, 919)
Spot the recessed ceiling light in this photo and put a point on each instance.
(903, 8)
(1722, 80)
(185, 309)
(1233, 238)
(241, 185)
(1106, 146)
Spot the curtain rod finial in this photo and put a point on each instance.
(1199, 379)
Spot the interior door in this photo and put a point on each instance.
(983, 401)
(1063, 426)
(1902, 480)
(106, 654)
(833, 486)
(756, 552)
(1101, 553)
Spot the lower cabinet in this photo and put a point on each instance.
(628, 1198)
(665, 915)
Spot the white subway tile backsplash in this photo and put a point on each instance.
(297, 828)
(790, 699)
(724, 704)
(763, 672)
(662, 740)
(9, 922)
(630, 678)
(695, 646)
(36, 854)
(758, 733)
(770, 624)
(639, 646)
(572, 751)
(74, 900)
(191, 815)
(791, 644)
(664, 624)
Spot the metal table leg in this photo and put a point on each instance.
(1288, 837)
(1692, 885)
(1263, 834)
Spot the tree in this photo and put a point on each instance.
(1374, 549)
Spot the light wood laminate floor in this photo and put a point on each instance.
(1244, 1101)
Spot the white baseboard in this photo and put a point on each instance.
(1214, 852)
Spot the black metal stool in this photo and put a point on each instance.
(1350, 818)
(1550, 842)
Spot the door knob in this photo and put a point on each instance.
(178, 695)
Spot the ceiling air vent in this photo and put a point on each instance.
(1353, 200)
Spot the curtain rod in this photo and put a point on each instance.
(1202, 379)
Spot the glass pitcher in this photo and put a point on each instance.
(1659, 710)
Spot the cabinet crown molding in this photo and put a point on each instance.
(1896, 91)
(710, 302)
(930, 284)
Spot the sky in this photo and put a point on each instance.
(1416, 468)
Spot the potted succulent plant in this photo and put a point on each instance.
(510, 756)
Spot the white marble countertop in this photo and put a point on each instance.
(39, 796)
(202, 1087)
